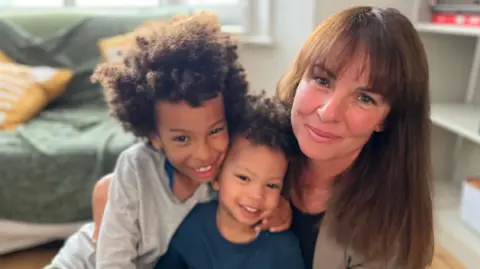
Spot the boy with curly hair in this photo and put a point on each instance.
(178, 90)
(220, 233)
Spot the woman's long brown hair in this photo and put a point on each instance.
(382, 205)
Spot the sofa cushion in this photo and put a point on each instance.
(4, 58)
(113, 48)
(26, 90)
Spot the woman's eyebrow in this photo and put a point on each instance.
(365, 89)
(323, 68)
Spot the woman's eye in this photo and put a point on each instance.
(181, 138)
(242, 177)
(273, 186)
(365, 99)
(325, 82)
(217, 130)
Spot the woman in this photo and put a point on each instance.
(360, 112)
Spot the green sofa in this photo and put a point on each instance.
(49, 165)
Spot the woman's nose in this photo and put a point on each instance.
(332, 108)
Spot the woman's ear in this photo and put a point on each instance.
(380, 127)
(156, 141)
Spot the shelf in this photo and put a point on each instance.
(448, 29)
(460, 119)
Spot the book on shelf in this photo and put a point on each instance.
(456, 19)
(456, 14)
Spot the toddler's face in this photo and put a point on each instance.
(194, 139)
(250, 181)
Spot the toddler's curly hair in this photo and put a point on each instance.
(265, 121)
(186, 58)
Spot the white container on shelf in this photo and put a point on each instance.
(470, 203)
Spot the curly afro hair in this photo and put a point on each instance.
(266, 121)
(186, 58)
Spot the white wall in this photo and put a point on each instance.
(325, 8)
(293, 21)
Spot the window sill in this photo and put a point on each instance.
(256, 40)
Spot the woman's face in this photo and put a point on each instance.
(334, 115)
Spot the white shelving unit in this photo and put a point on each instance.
(447, 29)
(461, 119)
(454, 60)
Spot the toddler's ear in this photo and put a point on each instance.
(156, 141)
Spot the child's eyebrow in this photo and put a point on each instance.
(178, 130)
(186, 131)
(222, 120)
(277, 178)
(246, 169)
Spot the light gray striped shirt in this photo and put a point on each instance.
(142, 213)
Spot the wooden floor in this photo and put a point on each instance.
(37, 258)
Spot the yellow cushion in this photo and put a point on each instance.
(4, 58)
(113, 48)
(26, 90)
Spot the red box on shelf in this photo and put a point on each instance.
(456, 19)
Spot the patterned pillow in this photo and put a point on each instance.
(113, 48)
(26, 90)
(4, 58)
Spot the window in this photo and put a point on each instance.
(250, 18)
(30, 3)
(211, 2)
(116, 3)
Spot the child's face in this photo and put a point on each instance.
(194, 139)
(250, 181)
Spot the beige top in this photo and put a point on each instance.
(331, 255)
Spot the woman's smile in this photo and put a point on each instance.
(321, 136)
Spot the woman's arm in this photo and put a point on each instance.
(280, 220)
(120, 232)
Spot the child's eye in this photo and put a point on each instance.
(242, 177)
(181, 138)
(217, 130)
(273, 186)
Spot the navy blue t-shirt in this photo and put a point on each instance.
(198, 244)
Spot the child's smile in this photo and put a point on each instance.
(250, 213)
(208, 171)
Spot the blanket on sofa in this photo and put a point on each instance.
(49, 166)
